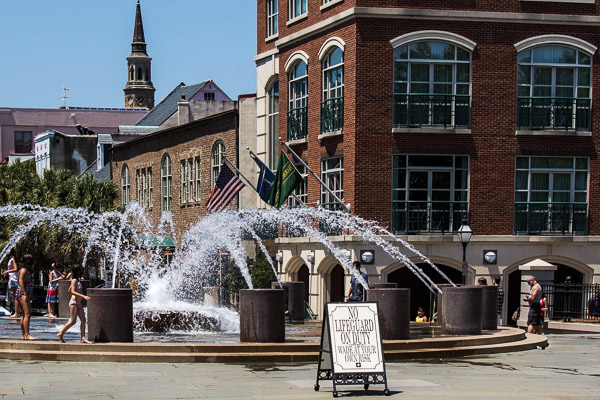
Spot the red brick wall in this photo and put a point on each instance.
(183, 142)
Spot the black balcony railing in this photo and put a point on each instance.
(297, 120)
(332, 114)
(432, 110)
(554, 113)
(415, 217)
(550, 218)
(571, 302)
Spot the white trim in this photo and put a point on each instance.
(266, 54)
(462, 131)
(434, 35)
(325, 135)
(296, 19)
(329, 43)
(330, 4)
(565, 1)
(556, 39)
(296, 56)
(272, 37)
(521, 132)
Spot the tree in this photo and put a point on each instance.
(262, 274)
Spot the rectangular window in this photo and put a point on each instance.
(429, 193)
(144, 188)
(272, 17)
(197, 168)
(183, 182)
(138, 186)
(551, 195)
(332, 173)
(23, 142)
(297, 8)
(209, 96)
(190, 178)
(301, 191)
(150, 193)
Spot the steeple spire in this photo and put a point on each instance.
(139, 91)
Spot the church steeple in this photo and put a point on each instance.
(139, 91)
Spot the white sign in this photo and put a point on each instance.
(355, 338)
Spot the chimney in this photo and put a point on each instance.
(183, 110)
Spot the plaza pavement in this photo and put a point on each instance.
(568, 369)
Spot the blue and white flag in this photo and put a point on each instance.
(266, 177)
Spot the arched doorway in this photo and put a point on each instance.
(336, 284)
(304, 276)
(420, 296)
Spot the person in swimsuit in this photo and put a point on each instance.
(421, 317)
(52, 293)
(13, 283)
(25, 294)
(75, 305)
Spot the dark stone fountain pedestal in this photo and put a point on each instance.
(394, 312)
(461, 309)
(110, 315)
(262, 315)
(489, 308)
(294, 293)
(383, 285)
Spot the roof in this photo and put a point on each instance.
(102, 176)
(168, 106)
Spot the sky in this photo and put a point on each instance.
(83, 45)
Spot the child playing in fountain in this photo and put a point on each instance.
(52, 293)
(421, 317)
(25, 294)
(75, 305)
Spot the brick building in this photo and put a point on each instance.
(424, 114)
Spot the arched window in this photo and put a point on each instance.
(432, 85)
(216, 160)
(273, 116)
(553, 88)
(298, 99)
(166, 178)
(125, 186)
(332, 106)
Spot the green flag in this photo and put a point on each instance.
(286, 180)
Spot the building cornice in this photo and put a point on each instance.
(436, 15)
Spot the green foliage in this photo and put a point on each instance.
(20, 184)
(262, 274)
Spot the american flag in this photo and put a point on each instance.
(226, 187)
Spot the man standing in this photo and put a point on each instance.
(356, 292)
(500, 298)
(534, 322)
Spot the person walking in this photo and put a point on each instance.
(52, 293)
(356, 292)
(13, 282)
(534, 318)
(75, 305)
(24, 294)
(500, 298)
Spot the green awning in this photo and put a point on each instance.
(157, 241)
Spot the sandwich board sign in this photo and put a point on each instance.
(351, 350)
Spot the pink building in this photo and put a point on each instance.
(19, 126)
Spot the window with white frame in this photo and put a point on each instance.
(216, 161)
(125, 186)
(332, 173)
(429, 192)
(166, 178)
(190, 179)
(150, 188)
(138, 186)
(298, 100)
(183, 181)
(332, 106)
(197, 173)
(301, 191)
(272, 17)
(297, 8)
(432, 84)
(554, 87)
(273, 120)
(144, 188)
(551, 195)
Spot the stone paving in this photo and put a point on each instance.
(568, 369)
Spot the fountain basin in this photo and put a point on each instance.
(162, 321)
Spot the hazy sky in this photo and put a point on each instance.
(82, 44)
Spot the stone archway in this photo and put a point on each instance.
(336, 284)
(303, 275)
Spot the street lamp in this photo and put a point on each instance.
(464, 235)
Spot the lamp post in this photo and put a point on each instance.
(464, 235)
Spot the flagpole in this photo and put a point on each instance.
(291, 194)
(316, 177)
(238, 171)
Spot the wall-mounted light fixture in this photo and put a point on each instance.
(310, 257)
(367, 256)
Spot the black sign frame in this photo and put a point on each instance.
(326, 368)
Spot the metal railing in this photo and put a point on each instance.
(534, 218)
(570, 302)
(554, 113)
(297, 120)
(415, 217)
(332, 114)
(432, 110)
